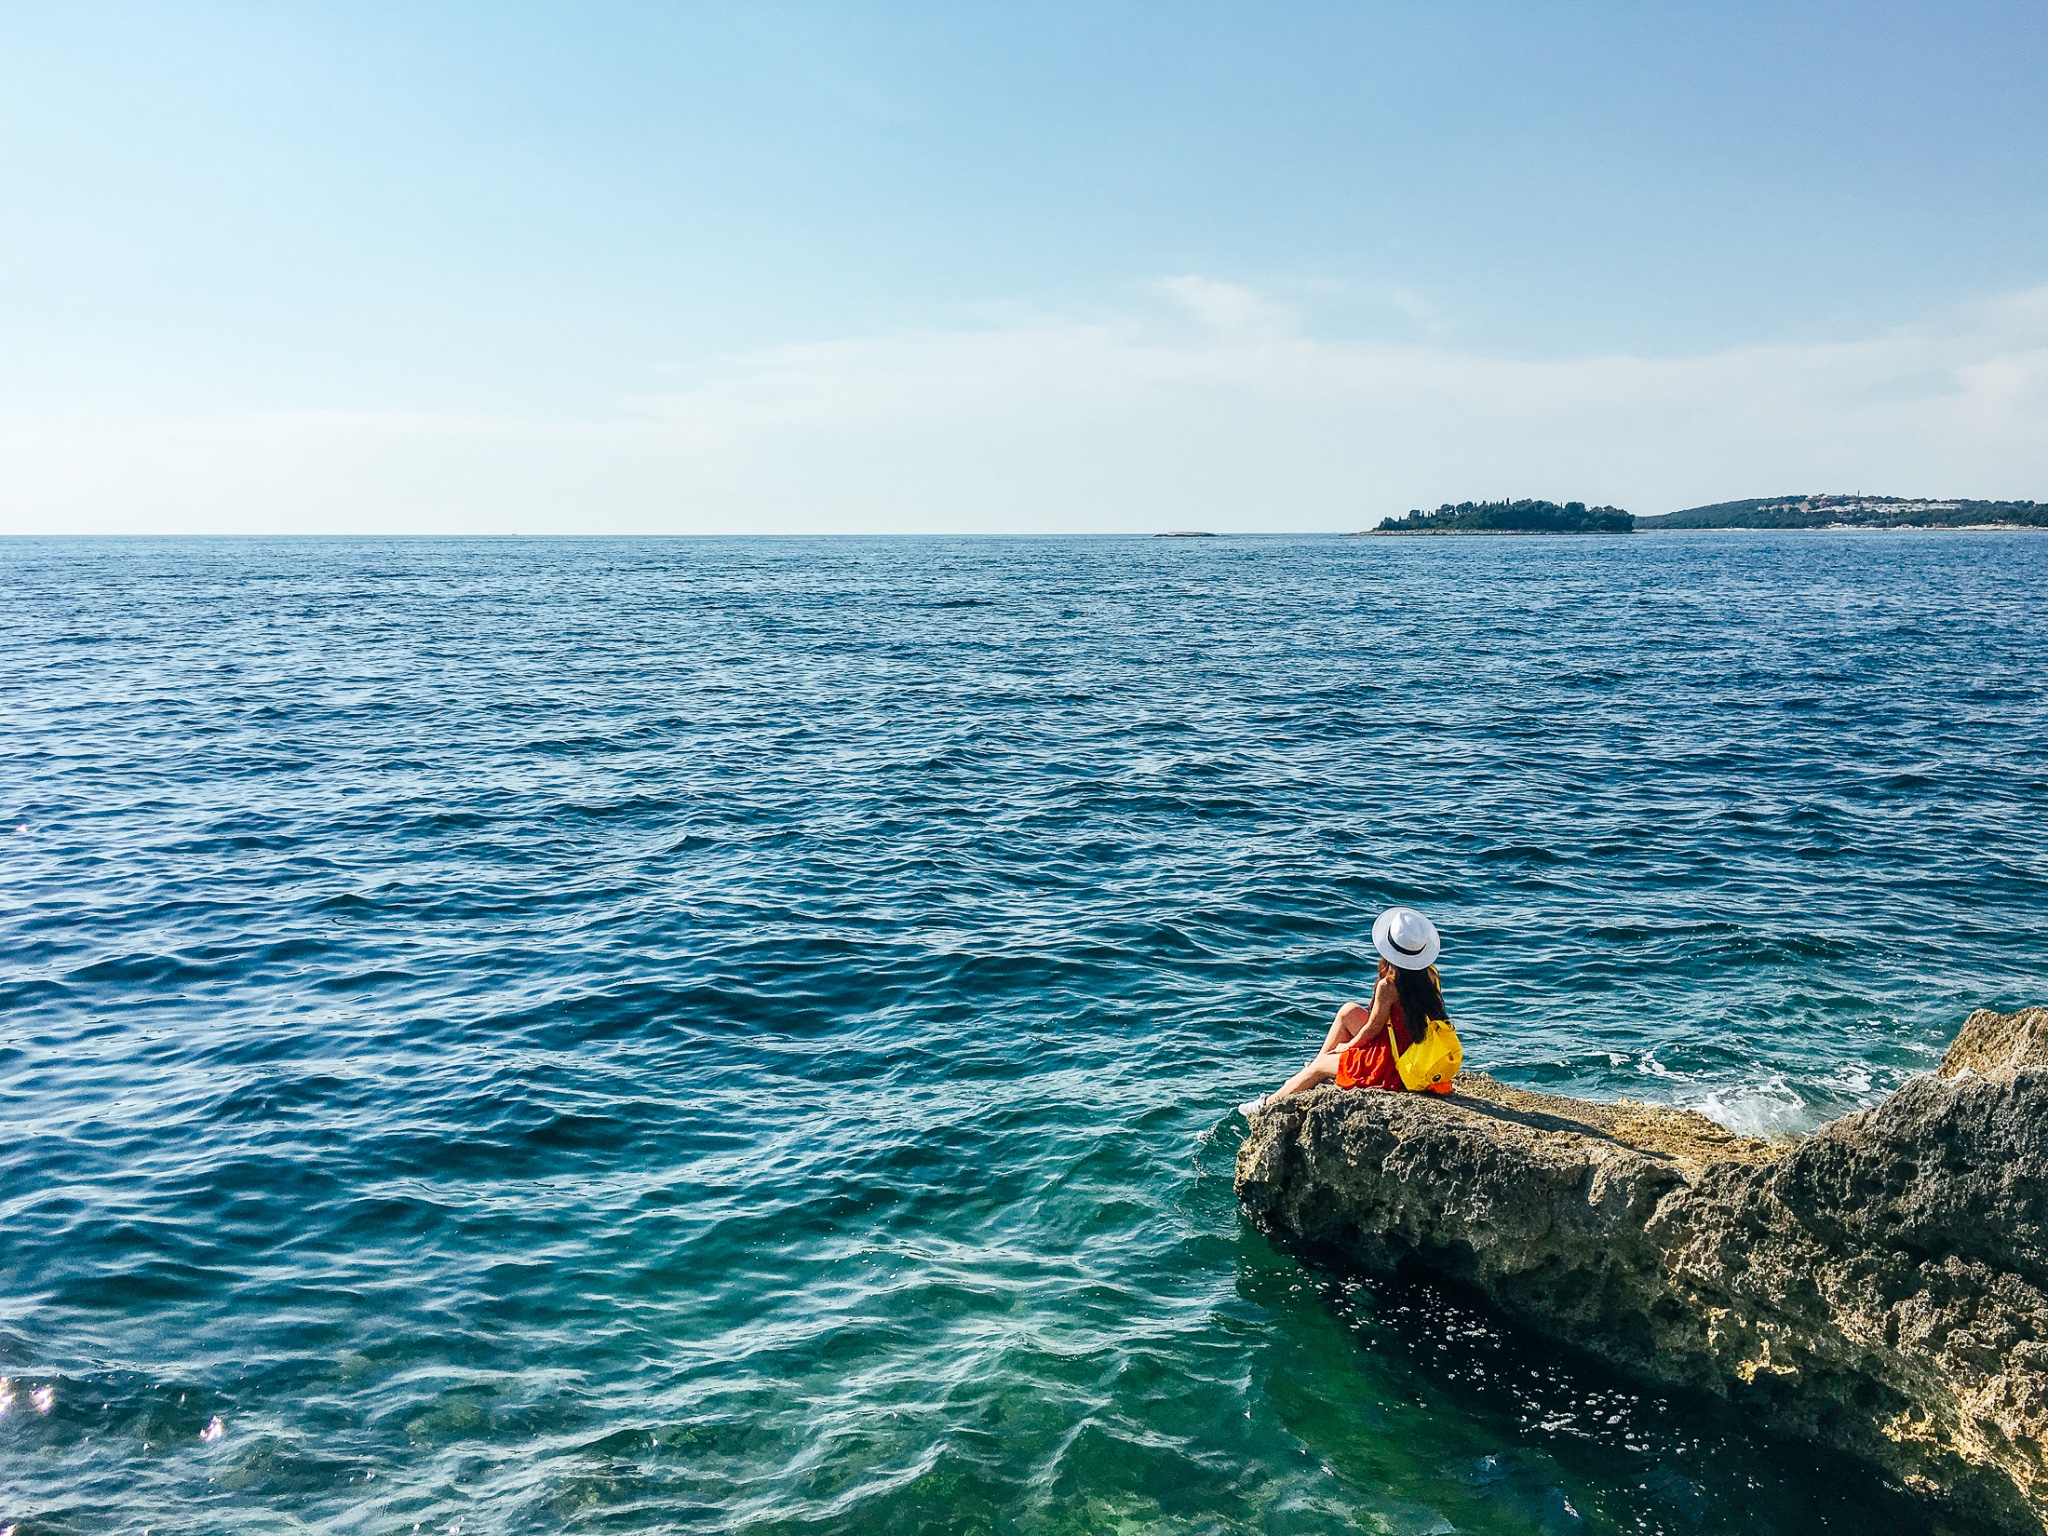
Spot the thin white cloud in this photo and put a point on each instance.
(1227, 309)
(1048, 424)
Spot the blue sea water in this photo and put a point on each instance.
(740, 1035)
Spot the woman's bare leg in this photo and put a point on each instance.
(1349, 1021)
(1321, 1070)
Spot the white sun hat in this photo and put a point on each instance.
(1406, 938)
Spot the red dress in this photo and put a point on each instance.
(1372, 1065)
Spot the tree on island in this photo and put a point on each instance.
(1512, 517)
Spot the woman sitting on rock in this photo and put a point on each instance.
(1355, 1052)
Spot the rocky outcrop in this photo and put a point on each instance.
(1880, 1286)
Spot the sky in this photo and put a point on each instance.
(1036, 268)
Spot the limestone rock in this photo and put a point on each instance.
(1880, 1286)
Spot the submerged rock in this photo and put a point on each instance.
(1880, 1286)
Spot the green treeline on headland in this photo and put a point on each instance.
(1816, 511)
(1855, 512)
(1512, 517)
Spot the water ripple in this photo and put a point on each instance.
(737, 1035)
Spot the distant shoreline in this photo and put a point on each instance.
(1833, 511)
(1807, 511)
(1861, 528)
(1490, 533)
(1565, 533)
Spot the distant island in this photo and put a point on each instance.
(1854, 512)
(1512, 517)
(1814, 511)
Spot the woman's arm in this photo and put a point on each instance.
(1355, 1024)
(1382, 1011)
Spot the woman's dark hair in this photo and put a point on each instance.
(1422, 999)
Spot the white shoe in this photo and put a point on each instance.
(1251, 1107)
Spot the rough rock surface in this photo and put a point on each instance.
(1880, 1286)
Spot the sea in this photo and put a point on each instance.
(733, 1035)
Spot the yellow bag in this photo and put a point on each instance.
(1432, 1061)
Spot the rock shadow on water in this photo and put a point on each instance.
(1486, 1426)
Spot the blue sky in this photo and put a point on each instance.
(1030, 268)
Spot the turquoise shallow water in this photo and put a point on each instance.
(713, 1036)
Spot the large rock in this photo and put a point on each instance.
(1880, 1286)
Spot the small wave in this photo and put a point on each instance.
(1769, 1107)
